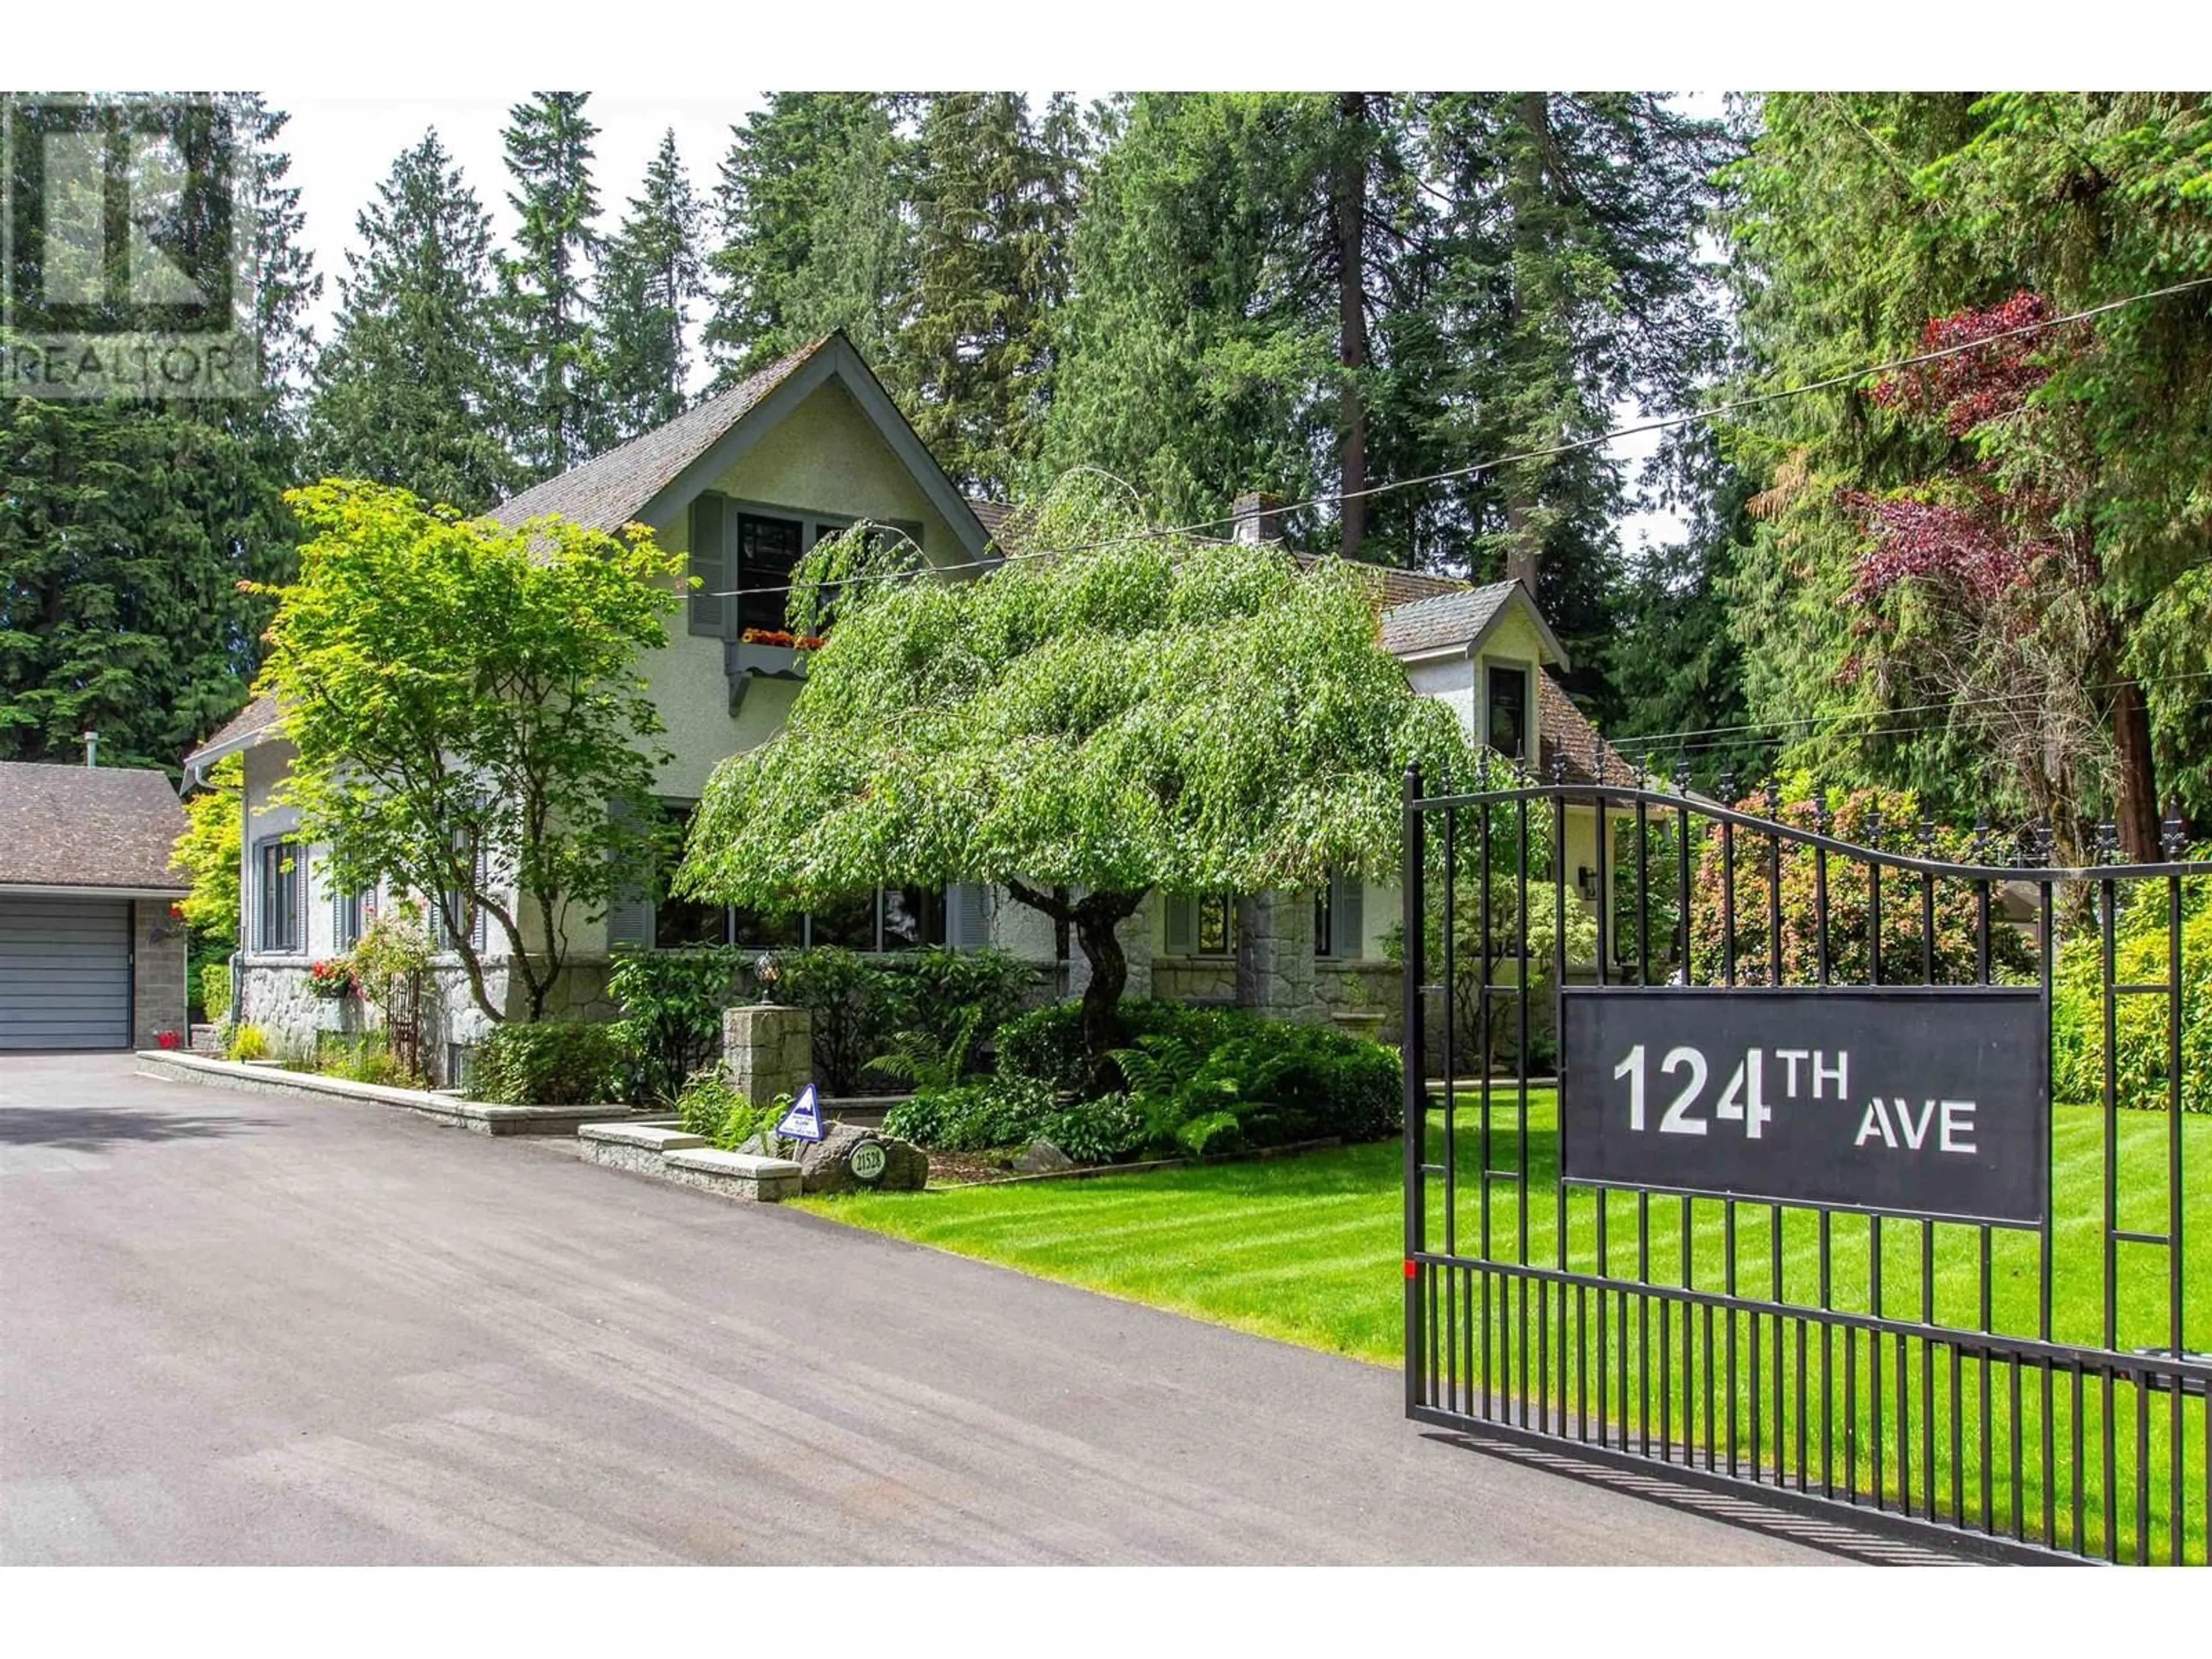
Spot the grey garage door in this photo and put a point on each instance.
(65, 973)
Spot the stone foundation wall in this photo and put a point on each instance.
(1361, 989)
(1194, 979)
(276, 999)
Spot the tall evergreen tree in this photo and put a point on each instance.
(547, 346)
(404, 392)
(996, 193)
(1329, 293)
(1568, 288)
(130, 523)
(816, 234)
(1872, 222)
(1182, 371)
(651, 279)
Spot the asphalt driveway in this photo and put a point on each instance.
(242, 1328)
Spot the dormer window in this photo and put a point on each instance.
(744, 555)
(1506, 698)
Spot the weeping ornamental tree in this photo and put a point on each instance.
(1138, 711)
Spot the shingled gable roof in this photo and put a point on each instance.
(107, 829)
(1460, 621)
(654, 477)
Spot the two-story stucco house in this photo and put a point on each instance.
(743, 485)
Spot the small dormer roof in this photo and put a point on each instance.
(1452, 623)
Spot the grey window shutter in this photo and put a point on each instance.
(1346, 921)
(966, 926)
(1183, 924)
(711, 528)
(629, 912)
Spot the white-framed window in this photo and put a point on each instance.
(280, 874)
(876, 918)
(462, 916)
(1508, 701)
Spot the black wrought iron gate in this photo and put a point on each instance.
(1732, 1152)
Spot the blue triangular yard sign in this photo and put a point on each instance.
(803, 1121)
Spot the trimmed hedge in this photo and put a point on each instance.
(554, 1062)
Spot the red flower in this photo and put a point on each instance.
(777, 636)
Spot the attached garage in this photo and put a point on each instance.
(90, 955)
(65, 973)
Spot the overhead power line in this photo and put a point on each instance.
(1473, 469)
(1667, 740)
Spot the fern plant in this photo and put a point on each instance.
(920, 1062)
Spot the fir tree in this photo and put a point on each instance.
(1179, 370)
(996, 194)
(129, 523)
(548, 347)
(816, 236)
(651, 279)
(405, 393)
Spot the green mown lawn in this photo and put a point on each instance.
(1308, 1249)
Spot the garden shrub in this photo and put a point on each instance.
(1046, 1043)
(1282, 1081)
(367, 1058)
(247, 1042)
(1102, 1131)
(2139, 957)
(865, 1006)
(1850, 817)
(672, 1003)
(847, 994)
(215, 992)
(551, 1063)
(974, 1117)
(1276, 1081)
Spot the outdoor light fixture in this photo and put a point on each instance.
(1586, 881)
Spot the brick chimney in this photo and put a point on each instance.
(1259, 517)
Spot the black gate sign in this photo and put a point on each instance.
(1934, 1101)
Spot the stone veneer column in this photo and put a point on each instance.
(1275, 956)
(768, 1050)
(157, 973)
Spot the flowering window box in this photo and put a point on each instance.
(765, 654)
